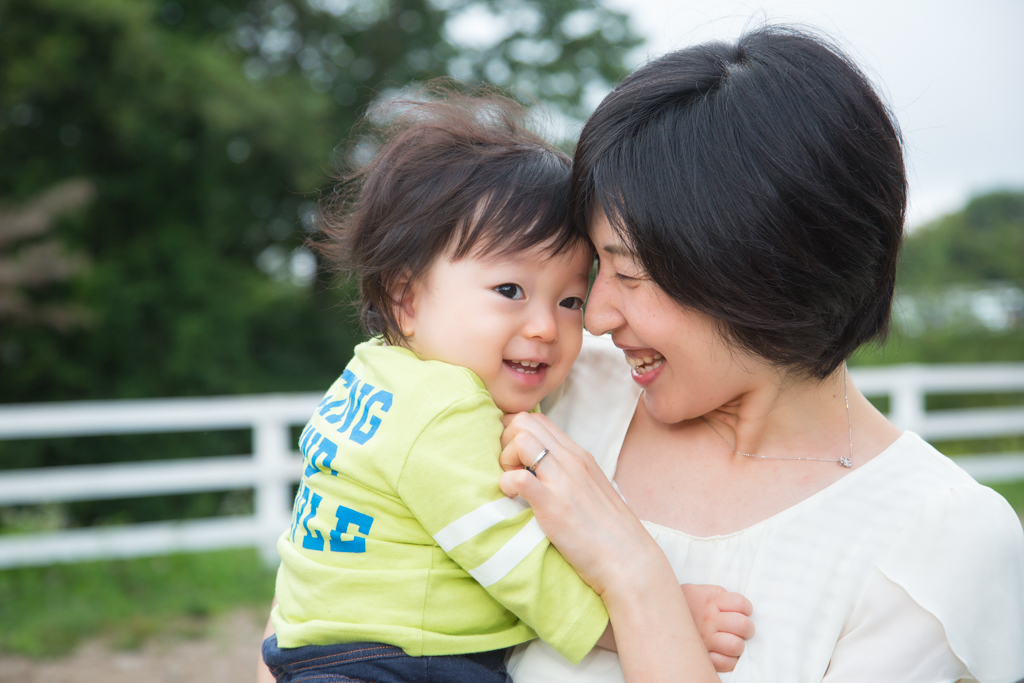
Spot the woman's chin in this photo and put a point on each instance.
(661, 410)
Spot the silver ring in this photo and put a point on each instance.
(533, 467)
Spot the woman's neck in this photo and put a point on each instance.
(801, 418)
(686, 477)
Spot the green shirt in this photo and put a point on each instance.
(400, 533)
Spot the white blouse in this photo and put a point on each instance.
(906, 569)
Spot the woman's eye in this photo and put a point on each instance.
(631, 277)
(573, 302)
(510, 291)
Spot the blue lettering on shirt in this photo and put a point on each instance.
(309, 502)
(360, 401)
(381, 398)
(313, 540)
(327, 405)
(358, 409)
(346, 517)
(328, 450)
(297, 509)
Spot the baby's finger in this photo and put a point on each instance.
(736, 624)
(725, 644)
(527, 422)
(513, 425)
(734, 602)
(722, 663)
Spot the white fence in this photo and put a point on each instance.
(273, 468)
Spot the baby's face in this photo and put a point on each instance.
(516, 321)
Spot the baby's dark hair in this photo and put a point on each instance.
(453, 174)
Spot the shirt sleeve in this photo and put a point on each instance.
(450, 484)
(946, 602)
(889, 637)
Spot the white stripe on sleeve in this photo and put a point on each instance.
(478, 521)
(510, 555)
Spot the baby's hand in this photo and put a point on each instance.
(723, 621)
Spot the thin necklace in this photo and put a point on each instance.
(845, 461)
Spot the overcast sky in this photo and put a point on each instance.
(953, 73)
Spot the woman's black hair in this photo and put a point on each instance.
(454, 173)
(760, 183)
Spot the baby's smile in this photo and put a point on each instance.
(527, 367)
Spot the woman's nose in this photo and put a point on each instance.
(602, 314)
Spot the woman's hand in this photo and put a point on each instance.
(586, 519)
(575, 504)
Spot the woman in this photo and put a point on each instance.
(746, 203)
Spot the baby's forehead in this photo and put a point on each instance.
(575, 257)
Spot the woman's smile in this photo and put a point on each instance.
(645, 363)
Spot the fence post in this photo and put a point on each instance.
(273, 492)
(907, 400)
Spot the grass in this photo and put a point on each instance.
(47, 611)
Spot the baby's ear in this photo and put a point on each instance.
(405, 292)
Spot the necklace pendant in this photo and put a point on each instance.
(845, 461)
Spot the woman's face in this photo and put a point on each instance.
(677, 354)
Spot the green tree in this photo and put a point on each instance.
(206, 131)
(984, 242)
(30, 262)
(979, 246)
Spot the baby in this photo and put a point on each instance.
(404, 561)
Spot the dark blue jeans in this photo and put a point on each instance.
(379, 663)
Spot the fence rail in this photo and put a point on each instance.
(273, 468)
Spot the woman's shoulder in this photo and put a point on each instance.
(914, 469)
(943, 505)
(960, 556)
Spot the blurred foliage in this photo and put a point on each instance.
(205, 131)
(46, 612)
(30, 261)
(984, 242)
(980, 245)
(946, 346)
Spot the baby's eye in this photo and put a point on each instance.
(510, 290)
(573, 302)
